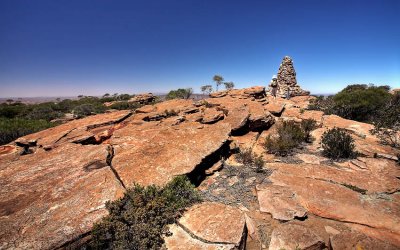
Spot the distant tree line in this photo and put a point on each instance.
(18, 119)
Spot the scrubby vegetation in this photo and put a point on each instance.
(18, 119)
(337, 143)
(366, 103)
(179, 94)
(248, 158)
(289, 135)
(140, 218)
(357, 102)
(10, 129)
(387, 122)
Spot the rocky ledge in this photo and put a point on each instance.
(55, 183)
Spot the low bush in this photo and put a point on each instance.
(289, 136)
(248, 158)
(308, 125)
(337, 143)
(179, 94)
(11, 129)
(387, 122)
(88, 109)
(125, 105)
(140, 218)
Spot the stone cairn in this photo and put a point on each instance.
(286, 78)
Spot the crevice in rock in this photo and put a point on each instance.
(63, 136)
(349, 186)
(91, 140)
(346, 221)
(194, 236)
(110, 156)
(198, 174)
(89, 127)
(242, 130)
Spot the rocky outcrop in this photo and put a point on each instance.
(143, 98)
(51, 197)
(55, 183)
(209, 225)
(286, 79)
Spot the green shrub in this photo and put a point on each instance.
(289, 136)
(361, 102)
(88, 109)
(125, 105)
(387, 122)
(139, 219)
(179, 94)
(248, 158)
(337, 143)
(308, 125)
(11, 129)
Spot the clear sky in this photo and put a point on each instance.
(90, 47)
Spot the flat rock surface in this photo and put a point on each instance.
(215, 222)
(181, 240)
(154, 154)
(48, 198)
(293, 236)
(280, 202)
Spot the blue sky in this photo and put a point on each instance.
(71, 47)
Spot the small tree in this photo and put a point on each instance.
(106, 95)
(229, 85)
(206, 89)
(218, 80)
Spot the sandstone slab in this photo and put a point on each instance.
(154, 154)
(215, 223)
(293, 236)
(280, 202)
(79, 127)
(181, 240)
(48, 198)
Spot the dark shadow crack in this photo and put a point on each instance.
(89, 127)
(241, 245)
(110, 156)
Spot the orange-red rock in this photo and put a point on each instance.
(49, 198)
(215, 222)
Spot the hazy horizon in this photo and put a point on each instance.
(67, 48)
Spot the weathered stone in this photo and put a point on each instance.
(211, 116)
(54, 135)
(280, 202)
(154, 154)
(215, 223)
(48, 198)
(276, 108)
(143, 98)
(237, 118)
(293, 236)
(181, 240)
(309, 158)
(327, 197)
(354, 240)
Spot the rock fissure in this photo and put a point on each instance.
(89, 127)
(194, 236)
(110, 156)
(198, 174)
(349, 186)
(64, 135)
